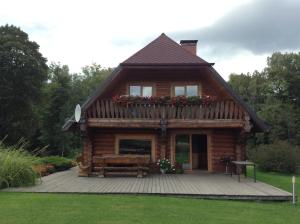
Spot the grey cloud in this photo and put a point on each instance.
(260, 26)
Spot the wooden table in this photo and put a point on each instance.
(240, 164)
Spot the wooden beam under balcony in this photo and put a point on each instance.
(123, 123)
(215, 123)
(171, 123)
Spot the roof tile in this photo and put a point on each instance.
(163, 50)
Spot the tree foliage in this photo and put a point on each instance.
(23, 71)
(35, 100)
(274, 94)
(61, 94)
(283, 72)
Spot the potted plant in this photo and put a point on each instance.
(164, 165)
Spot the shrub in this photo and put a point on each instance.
(59, 163)
(164, 164)
(279, 157)
(16, 167)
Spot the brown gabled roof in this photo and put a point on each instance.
(164, 51)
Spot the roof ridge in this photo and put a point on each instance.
(164, 50)
(185, 49)
(145, 47)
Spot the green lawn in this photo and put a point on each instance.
(88, 209)
(283, 181)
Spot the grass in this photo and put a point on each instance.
(283, 181)
(23, 208)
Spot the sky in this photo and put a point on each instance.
(236, 35)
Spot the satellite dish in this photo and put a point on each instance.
(77, 113)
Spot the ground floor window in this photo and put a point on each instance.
(135, 146)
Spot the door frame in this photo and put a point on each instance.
(190, 133)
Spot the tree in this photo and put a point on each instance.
(284, 119)
(55, 109)
(23, 71)
(62, 92)
(253, 88)
(84, 84)
(274, 94)
(283, 72)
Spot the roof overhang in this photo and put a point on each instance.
(259, 125)
(165, 65)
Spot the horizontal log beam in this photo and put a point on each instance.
(220, 123)
(171, 123)
(123, 123)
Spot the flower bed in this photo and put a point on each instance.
(52, 164)
(163, 100)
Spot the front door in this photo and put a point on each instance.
(199, 151)
(191, 151)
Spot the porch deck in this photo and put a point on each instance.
(198, 185)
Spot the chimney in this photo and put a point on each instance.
(189, 45)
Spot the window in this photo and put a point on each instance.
(187, 90)
(147, 90)
(192, 90)
(137, 90)
(135, 146)
(179, 90)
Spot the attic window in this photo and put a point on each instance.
(138, 90)
(186, 90)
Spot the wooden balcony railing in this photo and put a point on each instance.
(107, 109)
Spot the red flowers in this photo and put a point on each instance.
(163, 100)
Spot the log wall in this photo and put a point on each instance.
(223, 143)
(163, 81)
(103, 141)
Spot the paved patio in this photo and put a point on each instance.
(200, 185)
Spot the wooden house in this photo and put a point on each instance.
(165, 102)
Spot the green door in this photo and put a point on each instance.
(182, 151)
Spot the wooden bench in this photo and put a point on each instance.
(121, 165)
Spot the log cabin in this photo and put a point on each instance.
(164, 102)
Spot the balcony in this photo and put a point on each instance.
(224, 114)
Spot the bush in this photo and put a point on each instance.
(59, 163)
(16, 167)
(279, 157)
(164, 164)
